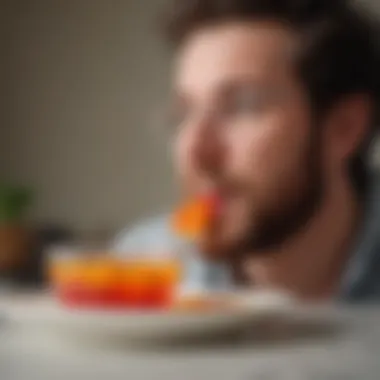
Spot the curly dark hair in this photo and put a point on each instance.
(339, 55)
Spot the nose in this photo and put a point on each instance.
(207, 150)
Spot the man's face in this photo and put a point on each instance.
(244, 132)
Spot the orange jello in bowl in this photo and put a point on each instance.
(106, 282)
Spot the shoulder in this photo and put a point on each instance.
(362, 278)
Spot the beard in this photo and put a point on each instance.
(270, 226)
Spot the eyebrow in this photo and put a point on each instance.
(231, 85)
(225, 86)
(224, 89)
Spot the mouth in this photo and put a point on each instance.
(219, 199)
(204, 213)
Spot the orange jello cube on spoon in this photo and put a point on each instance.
(192, 219)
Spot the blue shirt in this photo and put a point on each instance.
(360, 281)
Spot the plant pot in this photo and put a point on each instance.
(15, 245)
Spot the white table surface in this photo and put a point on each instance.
(353, 353)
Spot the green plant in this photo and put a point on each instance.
(14, 202)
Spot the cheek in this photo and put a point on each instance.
(267, 153)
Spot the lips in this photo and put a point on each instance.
(214, 201)
(219, 200)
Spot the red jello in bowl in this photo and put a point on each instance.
(101, 281)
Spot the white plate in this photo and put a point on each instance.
(45, 315)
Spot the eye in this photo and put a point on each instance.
(245, 101)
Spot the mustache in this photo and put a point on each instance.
(214, 180)
(227, 186)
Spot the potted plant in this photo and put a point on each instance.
(15, 238)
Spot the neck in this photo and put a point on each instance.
(310, 264)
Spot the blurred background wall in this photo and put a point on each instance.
(79, 79)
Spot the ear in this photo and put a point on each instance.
(349, 124)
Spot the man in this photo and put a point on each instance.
(273, 111)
